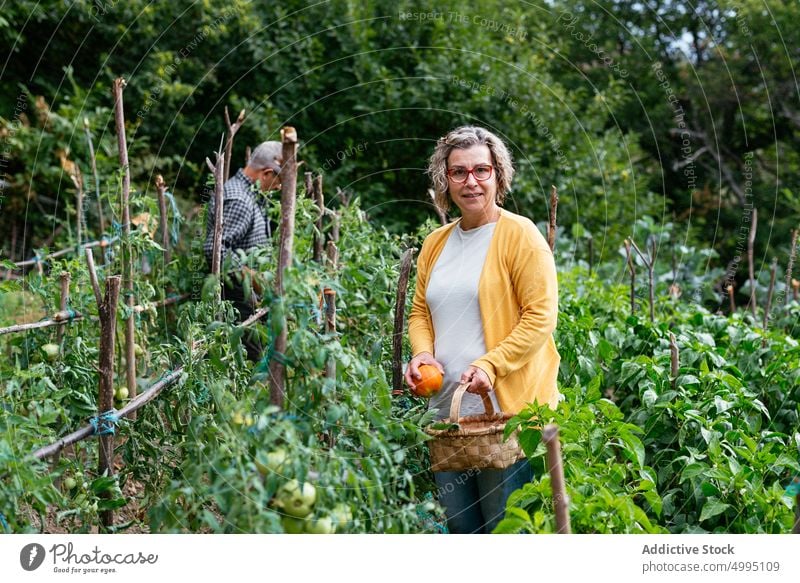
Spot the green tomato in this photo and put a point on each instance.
(298, 509)
(270, 462)
(51, 351)
(293, 525)
(137, 350)
(342, 515)
(321, 525)
(122, 393)
(70, 483)
(297, 500)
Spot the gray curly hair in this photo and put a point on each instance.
(266, 155)
(465, 137)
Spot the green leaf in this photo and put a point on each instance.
(693, 470)
(721, 404)
(102, 484)
(210, 288)
(112, 504)
(510, 526)
(649, 398)
(442, 426)
(686, 380)
(635, 448)
(712, 508)
(655, 501)
(528, 440)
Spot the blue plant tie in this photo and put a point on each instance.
(4, 523)
(793, 489)
(270, 355)
(105, 423)
(71, 314)
(203, 396)
(108, 252)
(175, 230)
(315, 309)
(263, 364)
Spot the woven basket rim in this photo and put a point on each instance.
(473, 425)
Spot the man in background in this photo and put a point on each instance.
(245, 226)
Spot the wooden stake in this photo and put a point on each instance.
(591, 255)
(790, 266)
(161, 303)
(329, 296)
(232, 129)
(795, 288)
(674, 357)
(216, 252)
(649, 263)
(633, 275)
(333, 256)
(161, 191)
(102, 243)
(130, 299)
(730, 297)
(335, 217)
(57, 319)
(651, 266)
(108, 326)
(288, 197)
(319, 235)
(65, 278)
(399, 321)
(750, 244)
(309, 184)
(772, 270)
(556, 469)
(77, 180)
(93, 276)
(551, 232)
(133, 405)
(93, 161)
(343, 196)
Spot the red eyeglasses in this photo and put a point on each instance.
(481, 173)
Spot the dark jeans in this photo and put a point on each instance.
(234, 293)
(475, 500)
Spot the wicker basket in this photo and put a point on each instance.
(478, 441)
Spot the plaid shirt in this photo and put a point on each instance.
(243, 223)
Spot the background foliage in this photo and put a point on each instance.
(659, 120)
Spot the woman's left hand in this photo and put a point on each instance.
(478, 380)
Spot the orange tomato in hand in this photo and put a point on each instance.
(430, 381)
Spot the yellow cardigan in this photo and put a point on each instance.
(518, 298)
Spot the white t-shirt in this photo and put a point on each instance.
(452, 297)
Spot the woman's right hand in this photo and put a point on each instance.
(412, 370)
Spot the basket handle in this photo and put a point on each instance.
(455, 404)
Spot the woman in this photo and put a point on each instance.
(484, 312)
